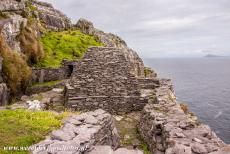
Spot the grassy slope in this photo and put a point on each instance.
(24, 128)
(64, 45)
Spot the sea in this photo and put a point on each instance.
(203, 84)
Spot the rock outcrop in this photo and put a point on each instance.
(104, 79)
(19, 12)
(12, 29)
(12, 5)
(168, 130)
(50, 17)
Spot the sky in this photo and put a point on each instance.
(159, 28)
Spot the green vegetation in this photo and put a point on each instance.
(3, 15)
(24, 128)
(48, 84)
(148, 72)
(15, 69)
(184, 107)
(64, 45)
(130, 136)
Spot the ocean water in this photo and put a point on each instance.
(202, 83)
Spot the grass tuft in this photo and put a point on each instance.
(44, 84)
(15, 69)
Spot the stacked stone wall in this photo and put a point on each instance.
(168, 130)
(81, 132)
(104, 79)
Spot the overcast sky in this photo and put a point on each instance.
(159, 28)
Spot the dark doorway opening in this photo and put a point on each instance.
(70, 70)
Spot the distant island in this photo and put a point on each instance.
(212, 56)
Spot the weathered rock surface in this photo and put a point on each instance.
(52, 18)
(12, 5)
(80, 133)
(104, 79)
(12, 29)
(167, 129)
(43, 12)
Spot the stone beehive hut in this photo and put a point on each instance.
(105, 78)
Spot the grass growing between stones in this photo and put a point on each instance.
(69, 45)
(47, 84)
(127, 129)
(24, 128)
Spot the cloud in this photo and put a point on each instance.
(159, 28)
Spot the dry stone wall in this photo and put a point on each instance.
(104, 79)
(79, 134)
(53, 74)
(168, 130)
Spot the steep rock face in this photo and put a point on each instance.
(111, 40)
(52, 18)
(12, 29)
(12, 5)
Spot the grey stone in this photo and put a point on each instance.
(83, 135)
(199, 148)
(116, 88)
(61, 135)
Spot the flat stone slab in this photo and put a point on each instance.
(79, 133)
